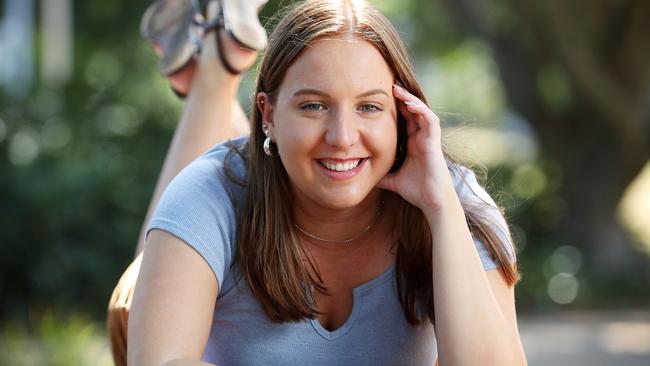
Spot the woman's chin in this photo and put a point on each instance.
(343, 201)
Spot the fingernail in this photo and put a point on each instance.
(397, 87)
(411, 103)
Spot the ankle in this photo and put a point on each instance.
(211, 81)
(234, 54)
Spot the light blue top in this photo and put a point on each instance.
(198, 208)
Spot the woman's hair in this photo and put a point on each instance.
(269, 253)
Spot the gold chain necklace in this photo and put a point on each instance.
(345, 241)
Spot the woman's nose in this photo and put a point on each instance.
(342, 130)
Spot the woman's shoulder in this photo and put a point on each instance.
(220, 150)
(470, 191)
(228, 154)
(223, 165)
(467, 185)
(199, 205)
(213, 179)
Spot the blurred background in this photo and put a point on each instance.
(553, 97)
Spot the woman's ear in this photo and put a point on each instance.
(265, 107)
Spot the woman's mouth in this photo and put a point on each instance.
(339, 166)
(341, 169)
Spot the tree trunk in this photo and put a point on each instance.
(601, 140)
(592, 187)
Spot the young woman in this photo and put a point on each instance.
(339, 232)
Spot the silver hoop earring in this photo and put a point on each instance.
(267, 147)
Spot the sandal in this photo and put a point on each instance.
(176, 27)
(239, 19)
(167, 24)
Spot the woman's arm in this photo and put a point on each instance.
(173, 304)
(475, 321)
(475, 310)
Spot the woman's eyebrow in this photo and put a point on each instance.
(323, 94)
(310, 92)
(372, 92)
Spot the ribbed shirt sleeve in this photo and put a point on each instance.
(468, 188)
(197, 208)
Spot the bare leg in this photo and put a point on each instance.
(212, 115)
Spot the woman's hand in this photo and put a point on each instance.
(423, 179)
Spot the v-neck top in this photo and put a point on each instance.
(199, 207)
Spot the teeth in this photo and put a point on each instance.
(341, 167)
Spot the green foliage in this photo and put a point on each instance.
(78, 165)
(55, 340)
(554, 87)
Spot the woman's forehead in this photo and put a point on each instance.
(338, 64)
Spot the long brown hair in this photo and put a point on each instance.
(269, 253)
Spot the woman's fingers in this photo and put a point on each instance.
(402, 107)
(409, 119)
(405, 96)
(413, 109)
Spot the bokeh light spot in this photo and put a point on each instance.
(46, 103)
(562, 288)
(23, 148)
(634, 209)
(528, 181)
(3, 130)
(103, 70)
(118, 120)
(567, 259)
(55, 134)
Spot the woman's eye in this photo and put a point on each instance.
(369, 108)
(312, 107)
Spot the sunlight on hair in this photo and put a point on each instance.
(490, 146)
(634, 208)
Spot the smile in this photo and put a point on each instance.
(338, 166)
(339, 169)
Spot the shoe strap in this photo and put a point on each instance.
(199, 18)
(222, 56)
(202, 27)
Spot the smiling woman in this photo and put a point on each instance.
(333, 120)
(338, 232)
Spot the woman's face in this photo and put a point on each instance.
(334, 122)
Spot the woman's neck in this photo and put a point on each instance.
(339, 229)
